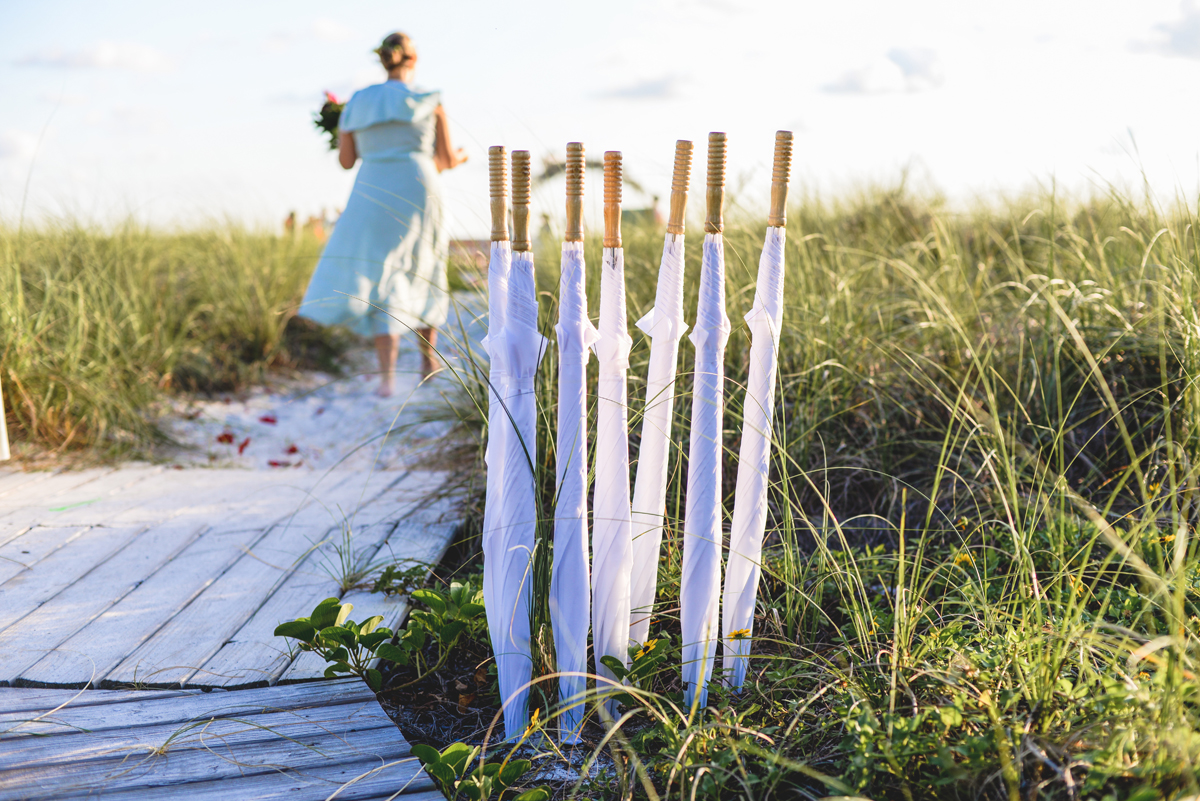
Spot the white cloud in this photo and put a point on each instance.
(17, 145)
(904, 69)
(653, 89)
(1180, 37)
(140, 119)
(103, 55)
(323, 29)
(328, 30)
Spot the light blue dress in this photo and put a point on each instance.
(383, 270)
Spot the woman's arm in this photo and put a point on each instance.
(445, 157)
(347, 150)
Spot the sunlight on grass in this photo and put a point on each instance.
(980, 577)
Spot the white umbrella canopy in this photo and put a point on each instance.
(612, 537)
(750, 499)
(664, 324)
(700, 588)
(765, 319)
(570, 581)
(509, 639)
(516, 534)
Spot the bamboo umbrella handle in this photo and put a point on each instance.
(520, 200)
(575, 168)
(498, 175)
(779, 179)
(612, 199)
(714, 222)
(679, 186)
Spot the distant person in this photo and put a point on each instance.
(384, 269)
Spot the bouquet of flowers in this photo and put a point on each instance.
(327, 118)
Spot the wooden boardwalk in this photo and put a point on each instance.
(145, 577)
(297, 741)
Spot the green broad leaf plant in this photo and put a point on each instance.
(351, 648)
(451, 772)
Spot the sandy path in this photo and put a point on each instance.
(320, 421)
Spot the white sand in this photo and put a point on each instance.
(318, 421)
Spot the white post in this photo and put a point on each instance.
(4, 454)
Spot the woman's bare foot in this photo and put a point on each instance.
(386, 347)
(429, 366)
(427, 343)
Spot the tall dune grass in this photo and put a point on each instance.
(97, 327)
(981, 577)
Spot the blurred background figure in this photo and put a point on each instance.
(383, 271)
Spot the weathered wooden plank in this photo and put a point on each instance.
(36, 544)
(211, 495)
(420, 538)
(42, 493)
(74, 607)
(92, 652)
(177, 708)
(21, 511)
(254, 654)
(362, 781)
(27, 699)
(12, 480)
(101, 500)
(186, 642)
(30, 588)
(206, 494)
(205, 764)
(140, 742)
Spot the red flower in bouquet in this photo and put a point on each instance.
(327, 118)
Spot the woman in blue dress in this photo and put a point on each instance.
(383, 271)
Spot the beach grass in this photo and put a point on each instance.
(101, 326)
(981, 576)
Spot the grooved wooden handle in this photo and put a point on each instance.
(714, 222)
(498, 178)
(780, 172)
(575, 168)
(612, 199)
(679, 186)
(520, 199)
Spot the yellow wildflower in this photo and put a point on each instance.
(646, 648)
(1143, 675)
(533, 720)
(964, 558)
(740, 634)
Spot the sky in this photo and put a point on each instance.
(181, 114)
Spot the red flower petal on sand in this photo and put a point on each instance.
(276, 463)
(269, 419)
(242, 447)
(225, 438)
(292, 449)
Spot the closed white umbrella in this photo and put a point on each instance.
(3, 430)
(509, 631)
(612, 538)
(750, 499)
(518, 524)
(570, 582)
(664, 325)
(700, 589)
